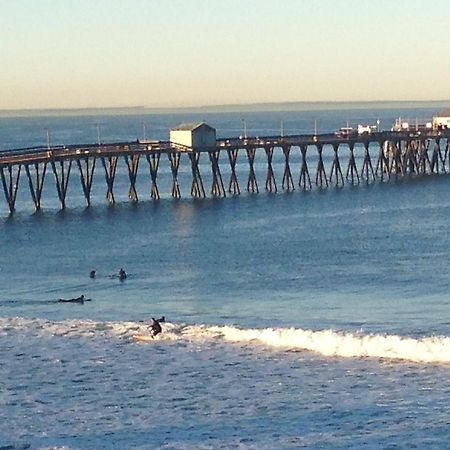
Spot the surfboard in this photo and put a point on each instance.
(143, 338)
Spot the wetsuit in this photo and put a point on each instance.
(155, 326)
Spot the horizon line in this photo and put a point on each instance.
(228, 106)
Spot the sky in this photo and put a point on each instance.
(177, 53)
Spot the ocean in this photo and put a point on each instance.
(316, 320)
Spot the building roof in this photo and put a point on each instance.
(445, 113)
(191, 126)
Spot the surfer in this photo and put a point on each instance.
(79, 299)
(92, 274)
(156, 325)
(122, 274)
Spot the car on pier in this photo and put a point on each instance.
(346, 132)
(366, 129)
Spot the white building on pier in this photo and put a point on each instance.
(193, 135)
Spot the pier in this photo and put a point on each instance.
(382, 156)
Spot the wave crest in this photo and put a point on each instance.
(349, 345)
(433, 349)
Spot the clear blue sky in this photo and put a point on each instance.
(96, 53)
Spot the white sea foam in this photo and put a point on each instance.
(435, 349)
(350, 345)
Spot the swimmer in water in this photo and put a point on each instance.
(122, 274)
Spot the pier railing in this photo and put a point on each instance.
(383, 156)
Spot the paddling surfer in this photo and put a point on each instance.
(79, 299)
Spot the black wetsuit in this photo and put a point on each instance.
(80, 299)
(155, 326)
(122, 275)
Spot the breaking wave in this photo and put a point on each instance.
(432, 349)
(349, 345)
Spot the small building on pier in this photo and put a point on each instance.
(442, 120)
(193, 135)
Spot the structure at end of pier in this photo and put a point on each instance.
(194, 136)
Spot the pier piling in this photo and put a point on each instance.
(36, 182)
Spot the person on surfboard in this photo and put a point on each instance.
(156, 325)
(79, 299)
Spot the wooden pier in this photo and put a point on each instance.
(385, 156)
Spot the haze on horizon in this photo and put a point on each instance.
(175, 53)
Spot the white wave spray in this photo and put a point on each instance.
(349, 345)
(433, 349)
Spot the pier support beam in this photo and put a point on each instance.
(62, 175)
(132, 165)
(305, 180)
(382, 169)
(271, 184)
(367, 172)
(233, 186)
(10, 182)
(424, 164)
(352, 175)
(437, 160)
(153, 164)
(174, 158)
(86, 176)
(410, 158)
(197, 189)
(252, 185)
(36, 182)
(217, 187)
(321, 176)
(336, 172)
(288, 182)
(396, 166)
(110, 165)
(446, 155)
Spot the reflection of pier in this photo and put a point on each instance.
(384, 155)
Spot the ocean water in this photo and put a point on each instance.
(313, 319)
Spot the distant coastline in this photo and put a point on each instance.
(251, 107)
